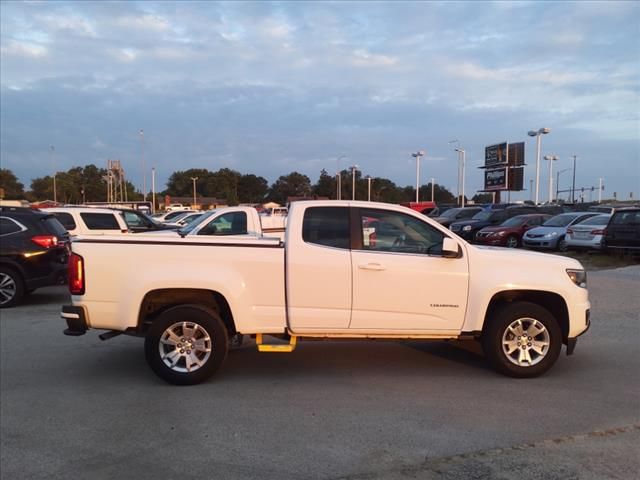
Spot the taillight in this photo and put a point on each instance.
(45, 241)
(76, 274)
(601, 231)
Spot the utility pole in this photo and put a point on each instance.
(53, 167)
(573, 186)
(432, 186)
(600, 190)
(353, 181)
(368, 188)
(194, 179)
(144, 170)
(153, 190)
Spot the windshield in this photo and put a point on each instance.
(514, 222)
(597, 220)
(482, 215)
(451, 213)
(559, 221)
(189, 228)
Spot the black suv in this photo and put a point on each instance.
(33, 253)
(623, 231)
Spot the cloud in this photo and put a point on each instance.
(16, 48)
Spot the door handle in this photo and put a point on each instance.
(371, 266)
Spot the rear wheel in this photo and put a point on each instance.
(186, 344)
(512, 241)
(11, 287)
(522, 340)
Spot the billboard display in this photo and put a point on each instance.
(516, 154)
(495, 155)
(495, 179)
(516, 179)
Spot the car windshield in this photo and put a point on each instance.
(483, 215)
(559, 221)
(597, 220)
(189, 228)
(451, 213)
(514, 222)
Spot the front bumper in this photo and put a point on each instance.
(76, 320)
(571, 342)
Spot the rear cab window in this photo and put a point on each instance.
(66, 219)
(327, 226)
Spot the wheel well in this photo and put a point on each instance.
(15, 269)
(157, 301)
(552, 302)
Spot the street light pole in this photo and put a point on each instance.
(368, 188)
(144, 170)
(417, 155)
(353, 181)
(537, 134)
(432, 186)
(462, 154)
(573, 185)
(194, 179)
(558, 181)
(153, 190)
(551, 159)
(459, 156)
(53, 167)
(339, 179)
(600, 190)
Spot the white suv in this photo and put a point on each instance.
(90, 221)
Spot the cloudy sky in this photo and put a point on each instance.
(274, 87)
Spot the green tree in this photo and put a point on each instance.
(223, 184)
(12, 188)
(181, 185)
(252, 189)
(482, 198)
(326, 186)
(292, 185)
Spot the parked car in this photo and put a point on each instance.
(90, 221)
(139, 222)
(169, 216)
(509, 233)
(33, 253)
(588, 233)
(623, 231)
(467, 229)
(551, 234)
(185, 219)
(454, 214)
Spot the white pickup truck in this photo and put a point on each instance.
(357, 270)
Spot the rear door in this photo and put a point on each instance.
(318, 271)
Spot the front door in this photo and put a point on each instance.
(401, 281)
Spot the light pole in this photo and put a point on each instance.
(573, 185)
(153, 190)
(551, 159)
(600, 190)
(53, 167)
(537, 134)
(458, 191)
(144, 170)
(194, 179)
(558, 181)
(462, 153)
(339, 179)
(353, 181)
(368, 188)
(417, 155)
(432, 186)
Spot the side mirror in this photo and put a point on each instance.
(450, 248)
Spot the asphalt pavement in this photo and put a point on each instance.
(77, 407)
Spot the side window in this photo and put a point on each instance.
(66, 219)
(328, 226)
(100, 221)
(234, 223)
(132, 220)
(384, 231)
(8, 226)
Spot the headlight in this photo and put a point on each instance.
(466, 228)
(501, 233)
(579, 277)
(551, 235)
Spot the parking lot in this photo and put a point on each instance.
(83, 408)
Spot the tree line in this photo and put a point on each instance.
(88, 184)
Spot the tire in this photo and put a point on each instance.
(11, 287)
(203, 338)
(512, 241)
(562, 244)
(505, 349)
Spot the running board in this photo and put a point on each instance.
(290, 347)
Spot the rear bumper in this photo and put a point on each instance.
(76, 320)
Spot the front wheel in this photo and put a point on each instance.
(512, 241)
(522, 340)
(562, 244)
(186, 344)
